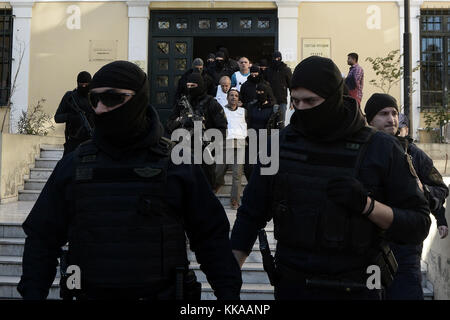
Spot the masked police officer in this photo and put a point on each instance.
(341, 188)
(124, 207)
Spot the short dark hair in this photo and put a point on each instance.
(234, 89)
(353, 55)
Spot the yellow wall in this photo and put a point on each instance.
(435, 4)
(17, 155)
(346, 25)
(212, 5)
(58, 54)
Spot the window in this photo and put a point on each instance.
(434, 58)
(5, 55)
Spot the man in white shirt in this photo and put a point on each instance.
(239, 77)
(234, 148)
(222, 89)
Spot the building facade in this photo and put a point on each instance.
(46, 43)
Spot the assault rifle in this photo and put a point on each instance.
(188, 116)
(84, 120)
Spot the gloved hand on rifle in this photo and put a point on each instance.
(348, 193)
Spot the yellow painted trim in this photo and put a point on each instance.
(435, 4)
(211, 5)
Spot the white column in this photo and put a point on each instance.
(415, 61)
(20, 68)
(288, 30)
(138, 17)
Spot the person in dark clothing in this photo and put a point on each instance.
(279, 76)
(263, 64)
(210, 60)
(124, 208)
(341, 189)
(231, 64)
(382, 113)
(197, 66)
(248, 89)
(207, 108)
(219, 69)
(75, 112)
(261, 114)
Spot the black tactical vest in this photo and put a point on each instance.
(303, 215)
(122, 234)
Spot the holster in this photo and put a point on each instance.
(186, 285)
(385, 259)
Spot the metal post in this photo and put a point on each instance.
(407, 75)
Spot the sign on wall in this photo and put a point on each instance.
(316, 47)
(103, 50)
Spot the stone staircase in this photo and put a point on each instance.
(255, 286)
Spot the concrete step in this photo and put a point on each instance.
(226, 189)
(251, 273)
(229, 178)
(8, 288)
(428, 291)
(59, 147)
(249, 291)
(34, 184)
(11, 247)
(29, 195)
(40, 173)
(11, 230)
(46, 162)
(51, 153)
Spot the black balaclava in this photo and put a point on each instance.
(332, 119)
(83, 77)
(225, 52)
(253, 79)
(220, 63)
(377, 102)
(125, 125)
(262, 97)
(277, 63)
(194, 93)
(208, 63)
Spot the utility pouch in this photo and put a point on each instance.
(385, 259)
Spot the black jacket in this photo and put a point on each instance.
(248, 92)
(67, 113)
(384, 161)
(217, 73)
(209, 84)
(280, 81)
(206, 225)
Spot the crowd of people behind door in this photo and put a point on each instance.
(253, 95)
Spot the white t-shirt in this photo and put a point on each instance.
(221, 96)
(237, 126)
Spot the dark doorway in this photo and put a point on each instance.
(254, 48)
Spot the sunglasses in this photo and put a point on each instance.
(109, 98)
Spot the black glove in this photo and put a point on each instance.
(347, 192)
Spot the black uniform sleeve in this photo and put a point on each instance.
(411, 221)
(46, 231)
(64, 110)
(207, 228)
(218, 117)
(430, 176)
(172, 122)
(288, 76)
